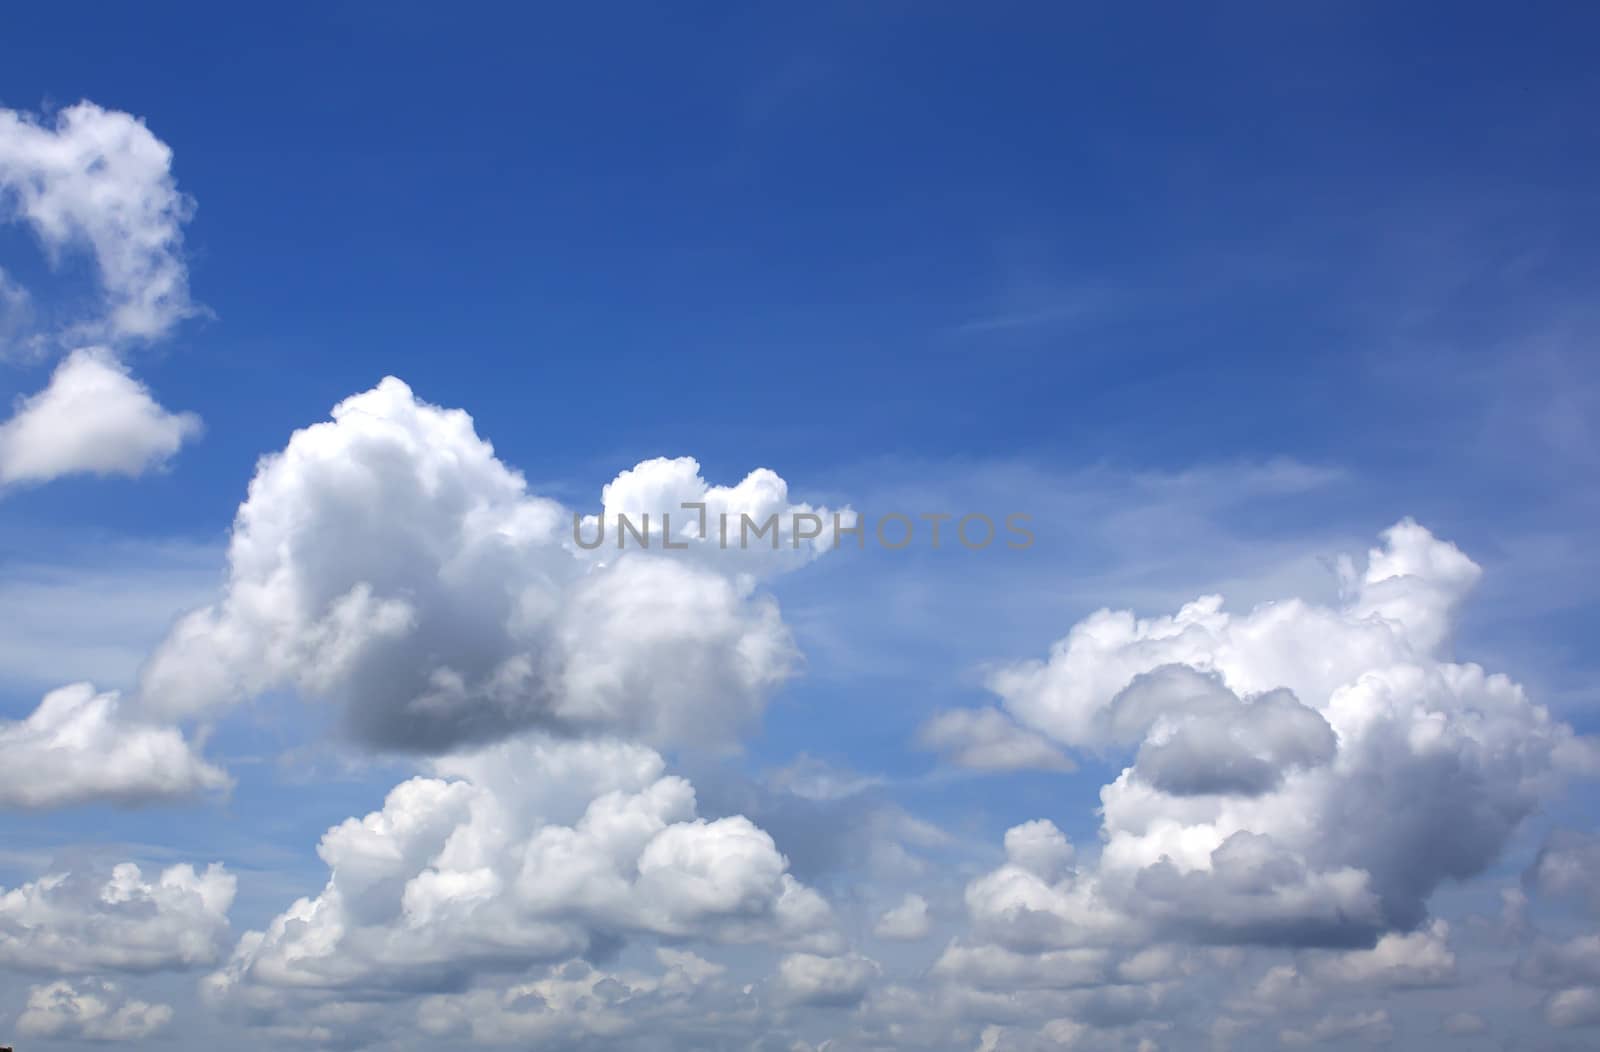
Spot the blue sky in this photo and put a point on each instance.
(1213, 296)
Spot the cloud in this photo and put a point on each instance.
(1370, 1027)
(1303, 775)
(92, 418)
(1464, 1024)
(989, 740)
(811, 979)
(1205, 741)
(1569, 968)
(77, 747)
(1039, 849)
(575, 1002)
(73, 923)
(92, 1010)
(1294, 783)
(1568, 866)
(98, 180)
(1573, 1007)
(906, 922)
(16, 313)
(1418, 958)
(721, 523)
(814, 779)
(533, 851)
(94, 181)
(388, 561)
(1399, 961)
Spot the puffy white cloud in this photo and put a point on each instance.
(812, 979)
(1399, 961)
(905, 922)
(386, 559)
(531, 852)
(98, 180)
(1418, 958)
(77, 748)
(92, 418)
(1413, 583)
(77, 922)
(729, 532)
(1039, 848)
(93, 1010)
(1308, 649)
(1303, 775)
(989, 740)
(1300, 777)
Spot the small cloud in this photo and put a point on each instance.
(92, 418)
(990, 740)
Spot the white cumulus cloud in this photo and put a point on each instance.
(77, 747)
(907, 921)
(93, 1010)
(387, 560)
(80, 922)
(530, 852)
(92, 418)
(1302, 775)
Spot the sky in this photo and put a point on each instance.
(1263, 336)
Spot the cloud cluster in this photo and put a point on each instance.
(90, 1010)
(76, 747)
(72, 923)
(1295, 782)
(1568, 969)
(95, 181)
(1302, 775)
(575, 1005)
(531, 852)
(388, 561)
